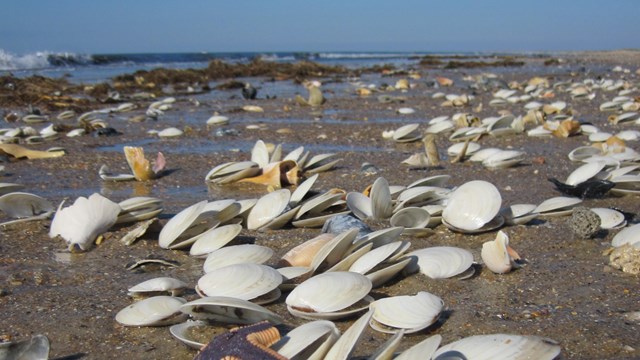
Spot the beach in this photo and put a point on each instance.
(566, 291)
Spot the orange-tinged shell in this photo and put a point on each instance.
(303, 254)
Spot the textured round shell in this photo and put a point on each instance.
(154, 311)
(442, 262)
(237, 254)
(329, 292)
(268, 208)
(412, 313)
(472, 205)
(243, 281)
(500, 347)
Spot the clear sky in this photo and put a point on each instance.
(138, 26)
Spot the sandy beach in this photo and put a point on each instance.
(566, 291)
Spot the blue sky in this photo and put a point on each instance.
(138, 26)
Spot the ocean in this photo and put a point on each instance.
(93, 68)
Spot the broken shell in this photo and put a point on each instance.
(81, 223)
(237, 254)
(497, 255)
(181, 332)
(228, 310)
(154, 311)
(411, 313)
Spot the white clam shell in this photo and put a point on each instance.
(455, 149)
(629, 235)
(159, 284)
(503, 159)
(243, 281)
(422, 350)
(260, 154)
(154, 311)
(6, 188)
(237, 254)
(442, 262)
(375, 257)
(381, 207)
(407, 133)
(228, 310)
(559, 205)
(179, 223)
(170, 132)
(21, 205)
(609, 218)
(585, 172)
(268, 208)
(412, 313)
(518, 214)
(411, 217)
(218, 120)
(472, 205)
(214, 239)
(308, 341)
(583, 152)
(343, 348)
(333, 251)
(298, 195)
(359, 204)
(329, 292)
(501, 347)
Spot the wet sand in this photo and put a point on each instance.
(566, 291)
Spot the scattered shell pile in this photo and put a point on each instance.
(331, 277)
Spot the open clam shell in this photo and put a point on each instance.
(472, 205)
(179, 223)
(503, 159)
(411, 313)
(243, 281)
(518, 214)
(585, 172)
(407, 133)
(360, 205)
(375, 257)
(379, 237)
(422, 350)
(303, 254)
(343, 348)
(411, 218)
(154, 311)
(232, 171)
(381, 206)
(388, 271)
(228, 310)
(158, 285)
(332, 252)
(441, 262)
(302, 190)
(308, 341)
(139, 209)
(22, 205)
(328, 293)
(500, 347)
(629, 235)
(435, 180)
(214, 239)
(237, 254)
(268, 208)
(6, 188)
(557, 206)
(610, 218)
(181, 332)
